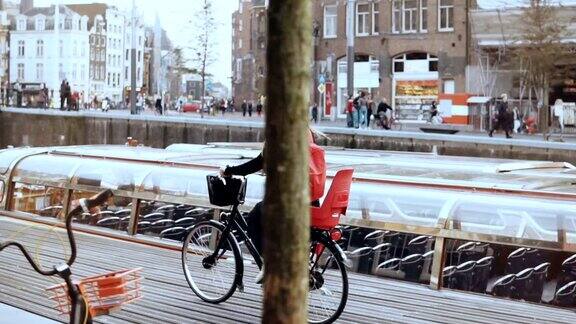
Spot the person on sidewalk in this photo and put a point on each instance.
(315, 113)
(384, 113)
(503, 119)
(259, 108)
(349, 112)
(363, 104)
(244, 108)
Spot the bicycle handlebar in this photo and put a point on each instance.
(89, 203)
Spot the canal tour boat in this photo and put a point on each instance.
(501, 228)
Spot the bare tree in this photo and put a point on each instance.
(204, 46)
(287, 201)
(177, 70)
(539, 50)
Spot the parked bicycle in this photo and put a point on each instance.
(92, 296)
(214, 266)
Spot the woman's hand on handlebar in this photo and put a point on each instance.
(223, 173)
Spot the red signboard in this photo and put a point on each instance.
(329, 91)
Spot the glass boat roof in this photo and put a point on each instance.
(391, 187)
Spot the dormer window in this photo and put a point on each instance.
(22, 24)
(40, 24)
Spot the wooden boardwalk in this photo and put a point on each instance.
(168, 299)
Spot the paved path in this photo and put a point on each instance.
(168, 299)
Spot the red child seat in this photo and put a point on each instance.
(327, 216)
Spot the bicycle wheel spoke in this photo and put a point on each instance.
(211, 274)
(329, 288)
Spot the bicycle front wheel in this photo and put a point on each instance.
(328, 285)
(212, 275)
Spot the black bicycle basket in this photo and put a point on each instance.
(226, 191)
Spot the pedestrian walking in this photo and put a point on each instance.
(370, 110)
(259, 108)
(158, 105)
(250, 107)
(363, 104)
(558, 113)
(349, 112)
(18, 91)
(315, 113)
(244, 108)
(63, 95)
(68, 92)
(503, 119)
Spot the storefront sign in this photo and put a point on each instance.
(424, 88)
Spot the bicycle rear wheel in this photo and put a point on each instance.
(213, 279)
(328, 285)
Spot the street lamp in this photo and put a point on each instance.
(133, 62)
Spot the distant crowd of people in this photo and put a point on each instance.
(362, 109)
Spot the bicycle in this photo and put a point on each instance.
(214, 266)
(92, 296)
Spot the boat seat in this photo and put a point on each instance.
(503, 286)
(173, 233)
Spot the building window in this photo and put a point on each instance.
(127, 55)
(139, 76)
(240, 25)
(108, 79)
(61, 48)
(409, 16)
(91, 72)
(61, 71)
(39, 71)
(240, 43)
(40, 24)
(82, 72)
(83, 49)
(424, 16)
(21, 47)
(375, 19)
(21, 71)
(126, 73)
(362, 13)
(74, 71)
(330, 21)
(238, 69)
(22, 24)
(446, 15)
(139, 59)
(396, 16)
(40, 48)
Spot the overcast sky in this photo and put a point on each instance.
(176, 14)
(174, 17)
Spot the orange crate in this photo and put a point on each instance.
(103, 293)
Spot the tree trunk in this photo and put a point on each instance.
(287, 203)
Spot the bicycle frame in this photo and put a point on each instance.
(235, 221)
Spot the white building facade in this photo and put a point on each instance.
(118, 53)
(40, 54)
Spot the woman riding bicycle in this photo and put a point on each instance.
(254, 219)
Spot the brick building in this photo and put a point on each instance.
(249, 50)
(97, 29)
(407, 51)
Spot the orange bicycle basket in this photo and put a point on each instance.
(103, 293)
